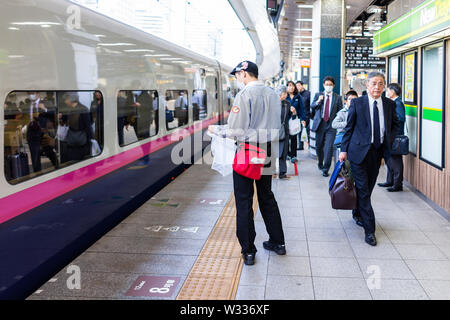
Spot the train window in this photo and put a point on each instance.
(199, 104)
(47, 130)
(137, 115)
(177, 108)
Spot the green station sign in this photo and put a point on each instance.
(428, 18)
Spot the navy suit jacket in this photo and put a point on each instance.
(336, 106)
(358, 132)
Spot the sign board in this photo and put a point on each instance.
(359, 54)
(153, 286)
(430, 17)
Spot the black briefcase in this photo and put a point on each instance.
(400, 146)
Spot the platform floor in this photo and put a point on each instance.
(151, 253)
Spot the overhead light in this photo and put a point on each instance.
(15, 56)
(308, 37)
(45, 26)
(139, 50)
(305, 6)
(157, 55)
(31, 23)
(303, 29)
(304, 19)
(171, 59)
(115, 44)
(99, 35)
(348, 7)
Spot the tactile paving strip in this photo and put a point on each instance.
(216, 272)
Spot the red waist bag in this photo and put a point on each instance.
(249, 161)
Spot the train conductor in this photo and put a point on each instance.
(254, 118)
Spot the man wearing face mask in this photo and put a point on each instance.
(325, 105)
(255, 119)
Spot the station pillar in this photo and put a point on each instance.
(328, 43)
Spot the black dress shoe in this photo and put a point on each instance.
(385, 184)
(320, 167)
(370, 239)
(358, 221)
(395, 189)
(277, 248)
(249, 258)
(325, 174)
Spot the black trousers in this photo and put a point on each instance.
(292, 146)
(245, 226)
(395, 170)
(365, 175)
(36, 151)
(325, 136)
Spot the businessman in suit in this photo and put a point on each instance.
(325, 105)
(372, 125)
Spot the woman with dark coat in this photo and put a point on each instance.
(287, 112)
(296, 101)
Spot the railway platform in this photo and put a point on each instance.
(181, 244)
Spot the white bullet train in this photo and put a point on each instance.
(92, 111)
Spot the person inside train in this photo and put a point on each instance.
(197, 105)
(122, 115)
(155, 113)
(77, 144)
(141, 103)
(97, 110)
(40, 117)
(181, 109)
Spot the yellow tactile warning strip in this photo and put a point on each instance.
(217, 270)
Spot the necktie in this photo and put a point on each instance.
(376, 126)
(326, 115)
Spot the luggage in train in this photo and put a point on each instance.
(17, 164)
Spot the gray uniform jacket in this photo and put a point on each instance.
(255, 116)
(340, 122)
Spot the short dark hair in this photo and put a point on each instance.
(299, 81)
(251, 74)
(396, 88)
(330, 79)
(295, 87)
(351, 93)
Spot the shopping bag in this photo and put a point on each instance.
(223, 151)
(294, 126)
(400, 146)
(61, 132)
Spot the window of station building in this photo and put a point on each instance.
(432, 105)
(137, 115)
(410, 97)
(47, 130)
(199, 104)
(176, 108)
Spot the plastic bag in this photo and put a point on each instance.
(294, 126)
(95, 148)
(223, 151)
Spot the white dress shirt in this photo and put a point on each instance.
(380, 115)
(34, 107)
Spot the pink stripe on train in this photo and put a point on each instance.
(22, 201)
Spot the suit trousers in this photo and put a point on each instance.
(325, 136)
(245, 226)
(365, 175)
(292, 146)
(395, 170)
